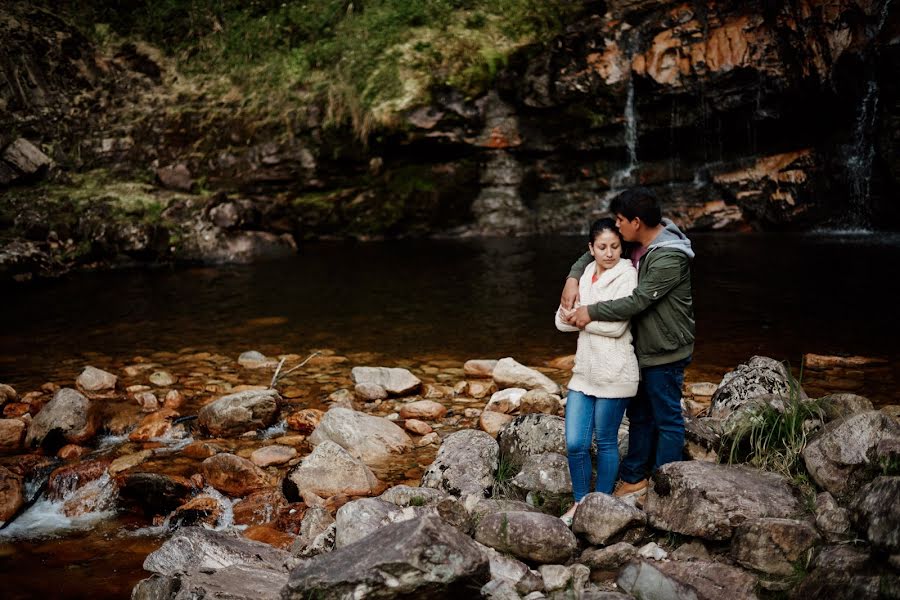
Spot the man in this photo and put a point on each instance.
(662, 318)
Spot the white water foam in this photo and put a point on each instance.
(276, 430)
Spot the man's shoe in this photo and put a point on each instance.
(630, 490)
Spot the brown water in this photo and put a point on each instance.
(407, 303)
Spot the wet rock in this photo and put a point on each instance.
(610, 558)
(370, 392)
(64, 480)
(759, 376)
(478, 367)
(539, 401)
(423, 409)
(396, 381)
(875, 510)
(420, 557)
(689, 580)
(831, 519)
(433, 391)
(478, 389)
(315, 522)
(601, 517)
(837, 457)
(836, 406)
(154, 425)
(269, 535)
(532, 434)
(369, 438)
(162, 378)
(175, 177)
(96, 380)
(12, 493)
(260, 507)
(128, 461)
(773, 546)
(509, 373)
(212, 245)
(331, 470)
(418, 427)
(272, 455)
(545, 478)
(506, 401)
(533, 537)
(153, 493)
(174, 399)
(342, 398)
(492, 422)
(357, 519)
(201, 450)
(465, 464)
(12, 436)
(237, 413)
(72, 452)
(710, 501)
(305, 421)
(233, 475)
(96, 496)
(202, 510)
(253, 360)
(69, 416)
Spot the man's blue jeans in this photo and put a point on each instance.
(585, 415)
(654, 419)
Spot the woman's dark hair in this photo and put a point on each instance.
(601, 225)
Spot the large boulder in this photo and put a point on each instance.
(237, 413)
(760, 376)
(422, 558)
(845, 571)
(838, 457)
(509, 373)
(331, 470)
(369, 438)
(773, 546)
(234, 582)
(529, 536)
(234, 475)
(357, 519)
(394, 381)
(12, 493)
(465, 464)
(876, 511)
(532, 434)
(68, 416)
(601, 517)
(694, 580)
(709, 500)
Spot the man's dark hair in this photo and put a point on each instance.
(638, 202)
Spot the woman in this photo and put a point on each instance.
(605, 375)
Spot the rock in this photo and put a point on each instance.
(12, 493)
(72, 452)
(233, 475)
(709, 501)
(175, 177)
(478, 367)
(759, 376)
(404, 495)
(684, 581)
(545, 479)
(315, 522)
(253, 360)
(556, 577)
(601, 517)
(694, 550)
(836, 406)
(342, 398)
(269, 535)
(492, 422)
(153, 493)
(68, 416)
(509, 373)
(831, 519)
(128, 461)
(331, 470)
(846, 572)
(305, 421)
(174, 399)
(64, 480)
(481, 507)
(260, 507)
(147, 401)
(22, 160)
(773, 546)
(193, 549)
(532, 434)
(500, 589)
(418, 427)
(235, 582)
(610, 558)
(418, 558)
(876, 511)
(370, 392)
(652, 551)
(204, 511)
(369, 438)
(162, 378)
(479, 389)
(423, 409)
(357, 519)
(397, 382)
(237, 413)
(506, 401)
(533, 537)
(268, 456)
(514, 572)
(12, 435)
(539, 401)
(7, 394)
(837, 457)
(154, 425)
(465, 464)
(96, 380)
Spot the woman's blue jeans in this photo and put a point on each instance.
(586, 415)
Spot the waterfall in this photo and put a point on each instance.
(623, 177)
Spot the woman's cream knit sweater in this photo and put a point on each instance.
(605, 363)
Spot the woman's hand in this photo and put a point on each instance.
(569, 294)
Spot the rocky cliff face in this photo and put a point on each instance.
(741, 115)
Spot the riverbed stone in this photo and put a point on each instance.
(153, 493)
(423, 409)
(69, 416)
(773, 546)
(370, 392)
(534, 537)
(259, 507)
(12, 435)
(275, 454)
(12, 493)
(305, 420)
(875, 511)
(509, 373)
(479, 367)
(838, 458)
(357, 519)
(532, 434)
(422, 557)
(237, 413)
(253, 359)
(465, 464)
(492, 422)
(367, 437)
(417, 427)
(233, 475)
(539, 401)
(686, 581)
(331, 470)
(600, 517)
(154, 425)
(395, 381)
(162, 378)
(93, 379)
(506, 401)
(545, 476)
(709, 501)
(759, 376)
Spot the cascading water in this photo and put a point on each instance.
(623, 177)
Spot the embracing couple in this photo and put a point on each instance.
(629, 299)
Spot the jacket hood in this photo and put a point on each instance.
(672, 238)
